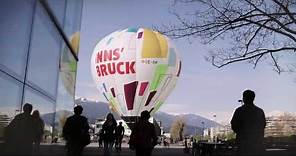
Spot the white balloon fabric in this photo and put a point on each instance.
(135, 69)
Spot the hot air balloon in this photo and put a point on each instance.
(135, 69)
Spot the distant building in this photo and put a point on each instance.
(277, 126)
(220, 131)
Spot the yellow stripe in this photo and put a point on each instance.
(154, 45)
(163, 44)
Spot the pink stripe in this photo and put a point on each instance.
(143, 88)
(130, 92)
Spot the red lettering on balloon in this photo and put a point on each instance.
(107, 55)
(116, 54)
(111, 68)
(99, 57)
(103, 69)
(98, 71)
(130, 67)
(118, 68)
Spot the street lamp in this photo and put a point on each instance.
(215, 129)
(203, 129)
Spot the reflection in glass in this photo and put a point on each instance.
(72, 22)
(10, 93)
(44, 54)
(16, 19)
(45, 106)
(58, 9)
(66, 88)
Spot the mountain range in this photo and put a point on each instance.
(94, 110)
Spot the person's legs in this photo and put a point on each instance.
(119, 144)
(37, 146)
(106, 146)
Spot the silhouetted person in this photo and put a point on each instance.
(19, 134)
(109, 133)
(248, 122)
(119, 132)
(75, 132)
(143, 137)
(101, 138)
(39, 129)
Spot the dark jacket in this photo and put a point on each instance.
(19, 134)
(248, 122)
(143, 135)
(109, 130)
(76, 129)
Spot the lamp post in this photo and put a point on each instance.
(215, 128)
(203, 129)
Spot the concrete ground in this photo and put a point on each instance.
(173, 150)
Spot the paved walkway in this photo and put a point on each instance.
(93, 150)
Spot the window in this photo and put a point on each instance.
(44, 55)
(10, 93)
(16, 21)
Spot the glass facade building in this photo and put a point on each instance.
(39, 43)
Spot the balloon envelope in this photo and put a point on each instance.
(135, 69)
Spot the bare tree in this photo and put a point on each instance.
(259, 30)
(177, 129)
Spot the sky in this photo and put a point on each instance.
(202, 89)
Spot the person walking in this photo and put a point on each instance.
(75, 132)
(109, 133)
(101, 138)
(19, 134)
(39, 130)
(143, 137)
(119, 133)
(248, 122)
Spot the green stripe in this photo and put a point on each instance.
(158, 76)
(157, 106)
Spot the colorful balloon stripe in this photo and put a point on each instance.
(153, 46)
(158, 75)
(163, 44)
(179, 70)
(132, 30)
(113, 92)
(130, 92)
(157, 106)
(151, 95)
(104, 85)
(143, 87)
(105, 96)
(140, 34)
(172, 57)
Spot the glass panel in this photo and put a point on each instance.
(45, 47)
(16, 18)
(73, 22)
(66, 88)
(58, 9)
(10, 93)
(46, 107)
